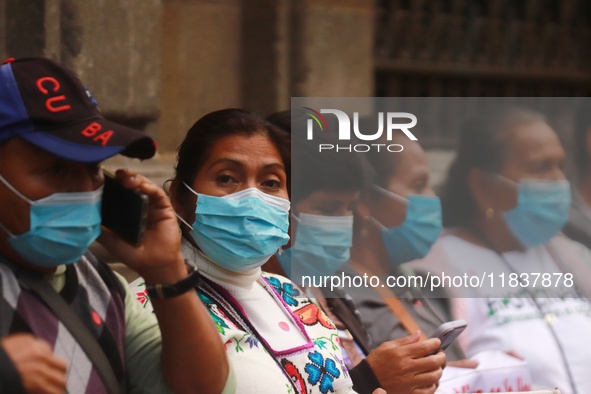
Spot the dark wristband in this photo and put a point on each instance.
(364, 379)
(161, 291)
(10, 379)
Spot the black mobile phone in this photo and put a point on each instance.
(448, 332)
(123, 211)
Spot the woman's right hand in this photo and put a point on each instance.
(403, 367)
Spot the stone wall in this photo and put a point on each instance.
(113, 45)
(201, 63)
(159, 65)
(333, 48)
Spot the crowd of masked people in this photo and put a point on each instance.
(220, 305)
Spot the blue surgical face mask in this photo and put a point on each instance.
(419, 230)
(541, 211)
(321, 246)
(62, 227)
(240, 231)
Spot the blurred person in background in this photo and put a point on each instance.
(398, 220)
(505, 202)
(579, 224)
(325, 188)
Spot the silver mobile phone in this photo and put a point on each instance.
(447, 333)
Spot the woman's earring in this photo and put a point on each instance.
(490, 213)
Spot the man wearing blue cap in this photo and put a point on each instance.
(67, 323)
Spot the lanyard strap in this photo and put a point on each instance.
(231, 308)
(400, 311)
(506, 262)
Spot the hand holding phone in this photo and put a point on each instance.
(448, 332)
(157, 258)
(123, 211)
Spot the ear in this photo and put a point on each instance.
(479, 186)
(361, 210)
(361, 215)
(178, 201)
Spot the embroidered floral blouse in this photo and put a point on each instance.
(277, 340)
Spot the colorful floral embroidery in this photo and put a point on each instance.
(285, 290)
(314, 370)
(239, 348)
(294, 375)
(142, 296)
(322, 371)
(245, 339)
(252, 341)
(310, 315)
(320, 342)
(342, 363)
(216, 315)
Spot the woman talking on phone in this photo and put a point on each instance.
(505, 201)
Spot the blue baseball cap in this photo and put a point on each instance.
(46, 105)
